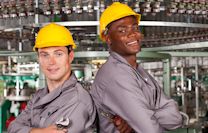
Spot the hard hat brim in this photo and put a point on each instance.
(53, 44)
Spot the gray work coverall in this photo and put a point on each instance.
(134, 95)
(67, 101)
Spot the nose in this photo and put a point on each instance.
(52, 60)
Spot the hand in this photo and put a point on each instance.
(49, 129)
(121, 125)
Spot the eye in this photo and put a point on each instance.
(44, 55)
(135, 28)
(58, 54)
(122, 30)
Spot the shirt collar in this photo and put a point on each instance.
(46, 97)
(118, 57)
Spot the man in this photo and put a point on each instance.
(122, 87)
(63, 105)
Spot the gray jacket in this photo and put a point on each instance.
(67, 101)
(133, 94)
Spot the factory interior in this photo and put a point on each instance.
(174, 50)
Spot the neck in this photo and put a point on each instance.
(54, 84)
(132, 61)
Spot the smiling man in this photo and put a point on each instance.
(122, 87)
(63, 105)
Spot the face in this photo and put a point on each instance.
(55, 63)
(124, 37)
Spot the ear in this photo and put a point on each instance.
(108, 40)
(71, 56)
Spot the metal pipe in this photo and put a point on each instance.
(197, 88)
(36, 14)
(9, 58)
(98, 17)
(182, 87)
(17, 87)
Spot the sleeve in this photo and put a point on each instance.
(22, 124)
(168, 114)
(124, 96)
(83, 118)
(91, 117)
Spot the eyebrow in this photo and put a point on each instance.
(58, 50)
(43, 52)
(124, 26)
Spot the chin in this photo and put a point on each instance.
(138, 50)
(135, 51)
(53, 77)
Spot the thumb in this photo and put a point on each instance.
(117, 120)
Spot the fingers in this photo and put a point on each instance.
(122, 125)
(127, 131)
(58, 130)
(62, 131)
(49, 129)
(117, 121)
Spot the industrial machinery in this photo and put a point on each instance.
(19, 81)
(174, 48)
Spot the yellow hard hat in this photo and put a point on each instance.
(114, 12)
(53, 35)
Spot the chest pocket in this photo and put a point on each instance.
(46, 114)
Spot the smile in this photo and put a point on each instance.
(132, 43)
(52, 70)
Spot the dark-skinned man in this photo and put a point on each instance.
(122, 87)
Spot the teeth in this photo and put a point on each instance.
(131, 42)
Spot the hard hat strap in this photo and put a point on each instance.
(106, 31)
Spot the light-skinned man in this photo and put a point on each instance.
(63, 105)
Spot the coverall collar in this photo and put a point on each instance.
(46, 97)
(119, 57)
